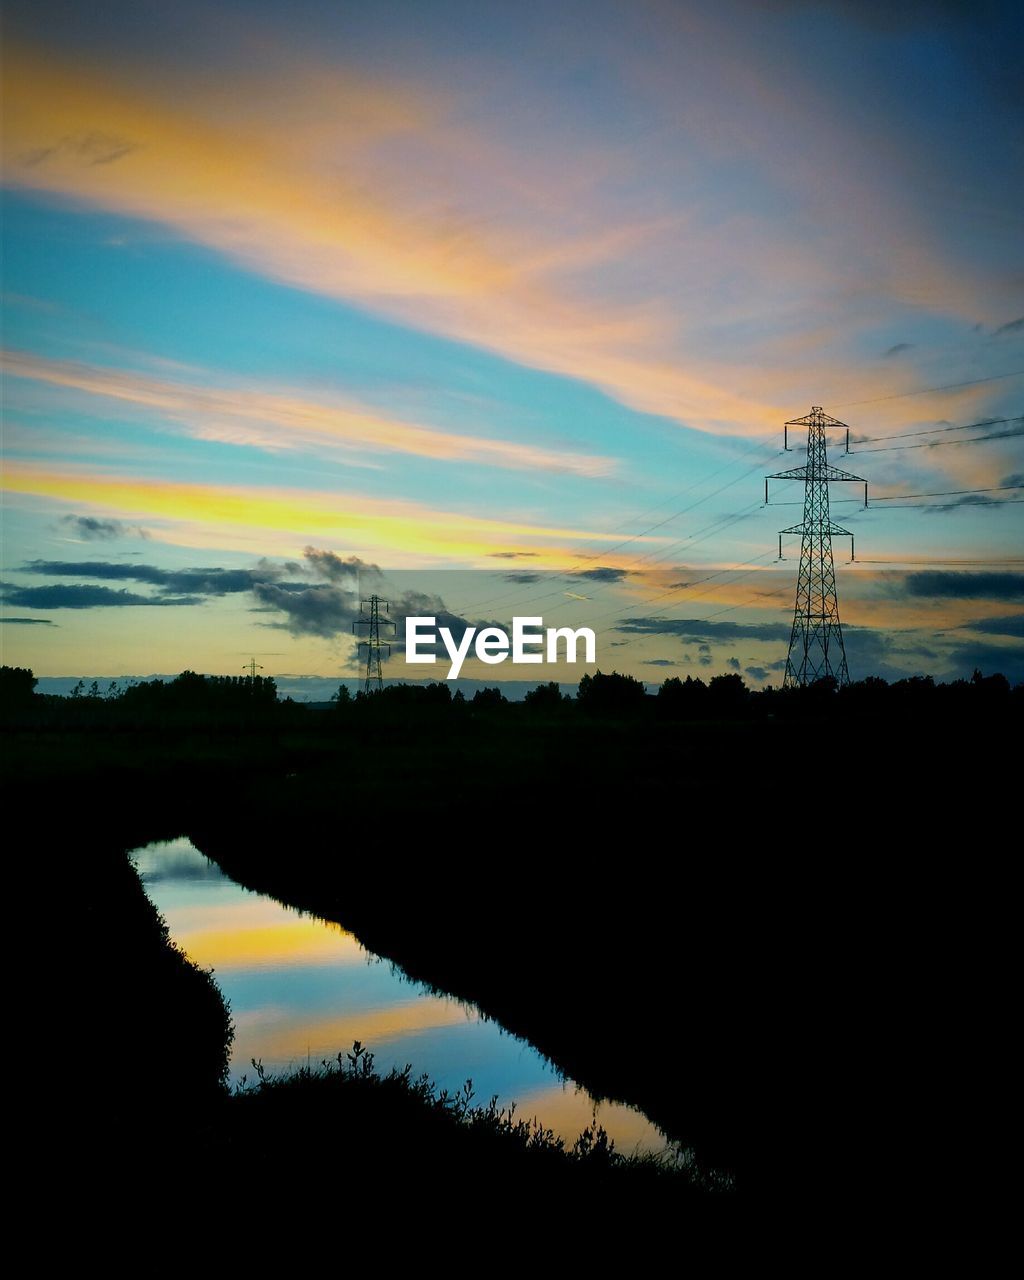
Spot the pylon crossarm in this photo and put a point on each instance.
(817, 417)
(829, 472)
(826, 472)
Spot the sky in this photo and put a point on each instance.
(499, 309)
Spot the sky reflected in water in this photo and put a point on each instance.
(301, 990)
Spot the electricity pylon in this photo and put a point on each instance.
(369, 616)
(816, 648)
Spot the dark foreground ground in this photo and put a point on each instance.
(788, 940)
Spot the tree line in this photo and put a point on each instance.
(231, 699)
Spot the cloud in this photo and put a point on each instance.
(989, 659)
(967, 500)
(64, 596)
(484, 261)
(282, 418)
(697, 629)
(660, 662)
(320, 609)
(325, 611)
(335, 568)
(892, 655)
(897, 350)
(419, 604)
(523, 579)
(1012, 326)
(733, 664)
(419, 196)
(756, 673)
(1011, 625)
(92, 529)
(512, 555)
(962, 585)
(602, 574)
(192, 582)
(28, 622)
(328, 611)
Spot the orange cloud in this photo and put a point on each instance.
(310, 207)
(381, 194)
(275, 419)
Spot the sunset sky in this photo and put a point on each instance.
(476, 292)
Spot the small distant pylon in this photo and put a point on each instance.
(816, 648)
(369, 616)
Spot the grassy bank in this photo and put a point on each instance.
(776, 972)
(144, 1104)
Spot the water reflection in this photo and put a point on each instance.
(300, 990)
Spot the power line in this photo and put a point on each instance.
(937, 560)
(949, 493)
(938, 444)
(939, 506)
(645, 604)
(642, 533)
(725, 521)
(948, 386)
(934, 431)
(716, 526)
(708, 531)
(743, 604)
(755, 443)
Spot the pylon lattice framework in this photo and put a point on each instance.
(816, 648)
(369, 616)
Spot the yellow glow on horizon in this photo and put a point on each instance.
(371, 525)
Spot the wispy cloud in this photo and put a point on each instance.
(176, 582)
(695, 629)
(282, 419)
(666, 271)
(75, 596)
(262, 195)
